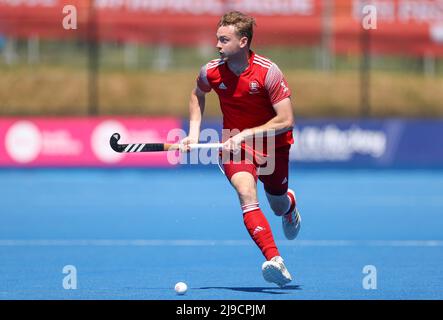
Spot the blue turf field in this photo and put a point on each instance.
(132, 234)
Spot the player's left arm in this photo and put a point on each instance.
(280, 96)
(283, 121)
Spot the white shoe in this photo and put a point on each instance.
(275, 271)
(291, 222)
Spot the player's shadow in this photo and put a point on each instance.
(271, 290)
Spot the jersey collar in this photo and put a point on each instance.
(250, 60)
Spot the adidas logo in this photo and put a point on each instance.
(222, 86)
(284, 180)
(285, 88)
(257, 230)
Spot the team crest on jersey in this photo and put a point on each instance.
(254, 87)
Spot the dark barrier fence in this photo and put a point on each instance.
(354, 143)
(74, 142)
(391, 143)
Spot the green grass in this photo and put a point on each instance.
(58, 84)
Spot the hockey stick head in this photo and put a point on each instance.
(114, 143)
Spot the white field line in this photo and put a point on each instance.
(196, 243)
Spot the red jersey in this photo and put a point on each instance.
(247, 100)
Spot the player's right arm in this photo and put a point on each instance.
(196, 108)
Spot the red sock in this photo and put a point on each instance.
(259, 230)
(293, 202)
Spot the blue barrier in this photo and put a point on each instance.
(368, 143)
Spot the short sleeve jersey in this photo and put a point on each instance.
(247, 100)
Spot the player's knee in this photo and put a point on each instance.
(245, 185)
(278, 204)
(246, 193)
(279, 209)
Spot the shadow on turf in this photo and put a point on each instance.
(270, 290)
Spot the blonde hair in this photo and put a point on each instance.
(244, 25)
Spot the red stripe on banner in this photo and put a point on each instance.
(178, 23)
(403, 27)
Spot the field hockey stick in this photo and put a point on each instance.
(155, 147)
